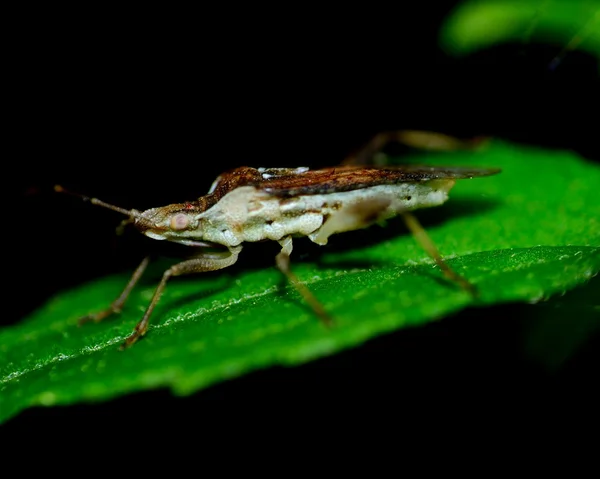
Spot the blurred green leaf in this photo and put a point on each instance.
(479, 24)
(523, 235)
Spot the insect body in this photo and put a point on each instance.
(278, 204)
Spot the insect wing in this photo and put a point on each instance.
(347, 178)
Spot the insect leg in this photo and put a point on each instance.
(283, 263)
(424, 140)
(427, 244)
(202, 263)
(118, 303)
(365, 155)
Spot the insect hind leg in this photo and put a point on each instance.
(428, 245)
(422, 140)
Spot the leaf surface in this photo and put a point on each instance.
(524, 235)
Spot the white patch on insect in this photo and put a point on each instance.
(248, 214)
(214, 185)
(275, 172)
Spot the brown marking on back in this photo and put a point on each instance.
(232, 179)
(290, 182)
(347, 178)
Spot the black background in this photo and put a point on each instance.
(143, 110)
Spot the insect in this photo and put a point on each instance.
(247, 205)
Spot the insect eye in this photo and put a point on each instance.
(179, 222)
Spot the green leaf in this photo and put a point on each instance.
(478, 24)
(523, 235)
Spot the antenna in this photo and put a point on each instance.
(95, 201)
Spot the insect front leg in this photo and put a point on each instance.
(199, 264)
(283, 263)
(117, 305)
